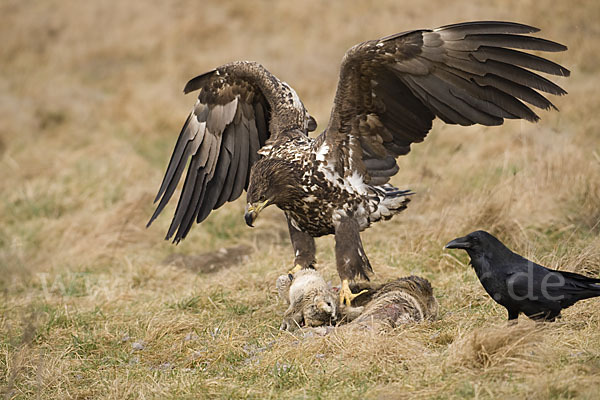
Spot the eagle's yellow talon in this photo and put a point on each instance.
(296, 268)
(346, 295)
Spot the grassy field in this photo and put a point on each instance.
(94, 305)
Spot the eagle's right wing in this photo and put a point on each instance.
(390, 90)
(220, 139)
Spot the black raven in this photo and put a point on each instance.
(521, 285)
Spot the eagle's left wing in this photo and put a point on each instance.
(219, 142)
(390, 90)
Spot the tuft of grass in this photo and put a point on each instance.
(490, 347)
(187, 304)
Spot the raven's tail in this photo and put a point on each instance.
(591, 290)
(579, 287)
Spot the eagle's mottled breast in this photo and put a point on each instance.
(321, 193)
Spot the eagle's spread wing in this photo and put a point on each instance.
(221, 137)
(391, 89)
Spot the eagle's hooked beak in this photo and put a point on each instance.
(459, 243)
(252, 211)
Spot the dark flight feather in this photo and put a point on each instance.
(460, 30)
(230, 145)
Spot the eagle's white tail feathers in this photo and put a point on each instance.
(387, 201)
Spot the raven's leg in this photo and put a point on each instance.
(304, 248)
(350, 256)
(513, 317)
(552, 315)
(544, 316)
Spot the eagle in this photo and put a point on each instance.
(249, 131)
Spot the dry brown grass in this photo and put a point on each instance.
(499, 345)
(90, 104)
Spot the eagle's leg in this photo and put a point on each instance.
(297, 267)
(304, 249)
(350, 256)
(346, 295)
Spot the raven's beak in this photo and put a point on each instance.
(252, 211)
(459, 243)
